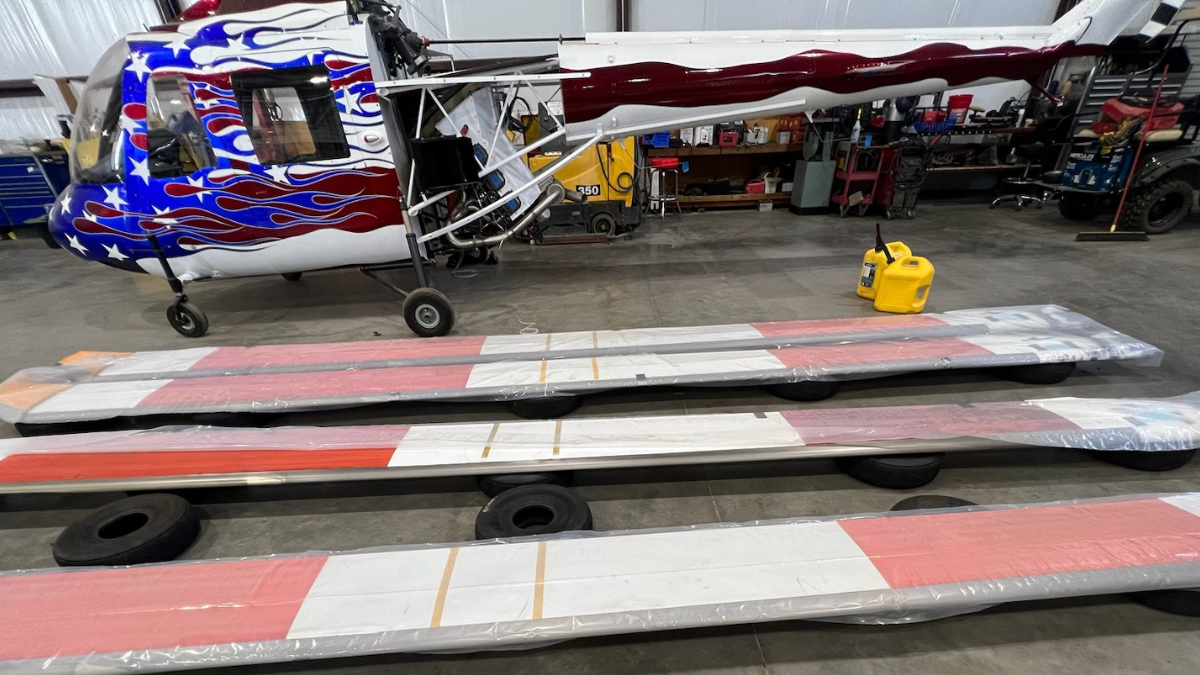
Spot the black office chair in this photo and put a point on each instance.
(1048, 144)
(1024, 189)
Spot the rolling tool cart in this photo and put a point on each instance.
(857, 178)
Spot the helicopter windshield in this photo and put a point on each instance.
(96, 152)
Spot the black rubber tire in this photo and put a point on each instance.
(1183, 601)
(143, 529)
(187, 319)
(894, 472)
(1167, 460)
(1143, 211)
(806, 392)
(922, 502)
(533, 509)
(428, 312)
(544, 408)
(503, 482)
(1039, 373)
(292, 276)
(603, 223)
(1079, 207)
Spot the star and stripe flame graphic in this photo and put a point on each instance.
(238, 204)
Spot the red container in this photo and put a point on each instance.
(664, 162)
(959, 104)
(756, 187)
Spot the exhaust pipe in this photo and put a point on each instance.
(550, 196)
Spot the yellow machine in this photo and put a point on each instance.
(606, 175)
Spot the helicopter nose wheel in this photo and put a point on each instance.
(428, 312)
(187, 319)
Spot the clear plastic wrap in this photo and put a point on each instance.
(526, 592)
(94, 386)
(213, 456)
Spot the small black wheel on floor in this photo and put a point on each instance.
(922, 502)
(894, 472)
(604, 223)
(143, 529)
(1039, 373)
(494, 485)
(1162, 460)
(292, 276)
(1183, 601)
(187, 319)
(804, 391)
(544, 408)
(533, 509)
(428, 312)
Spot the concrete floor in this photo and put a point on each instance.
(717, 267)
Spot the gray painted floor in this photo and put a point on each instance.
(708, 268)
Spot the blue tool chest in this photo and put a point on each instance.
(30, 183)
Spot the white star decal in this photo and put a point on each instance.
(113, 199)
(75, 244)
(65, 203)
(177, 46)
(114, 252)
(91, 216)
(130, 125)
(137, 64)
(239, 44)
(353, 107)
(279, 174)
(158, 211)
(141, 170)
(196, 182)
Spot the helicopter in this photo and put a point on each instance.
(268, 137)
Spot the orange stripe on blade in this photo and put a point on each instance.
(90, 357)
(25, 395)
(67, 466)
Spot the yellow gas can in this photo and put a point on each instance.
(874, 262)
(903, 286)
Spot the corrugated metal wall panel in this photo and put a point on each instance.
(58, 38)
(65, 37)
(459, 19)
(27, 117)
